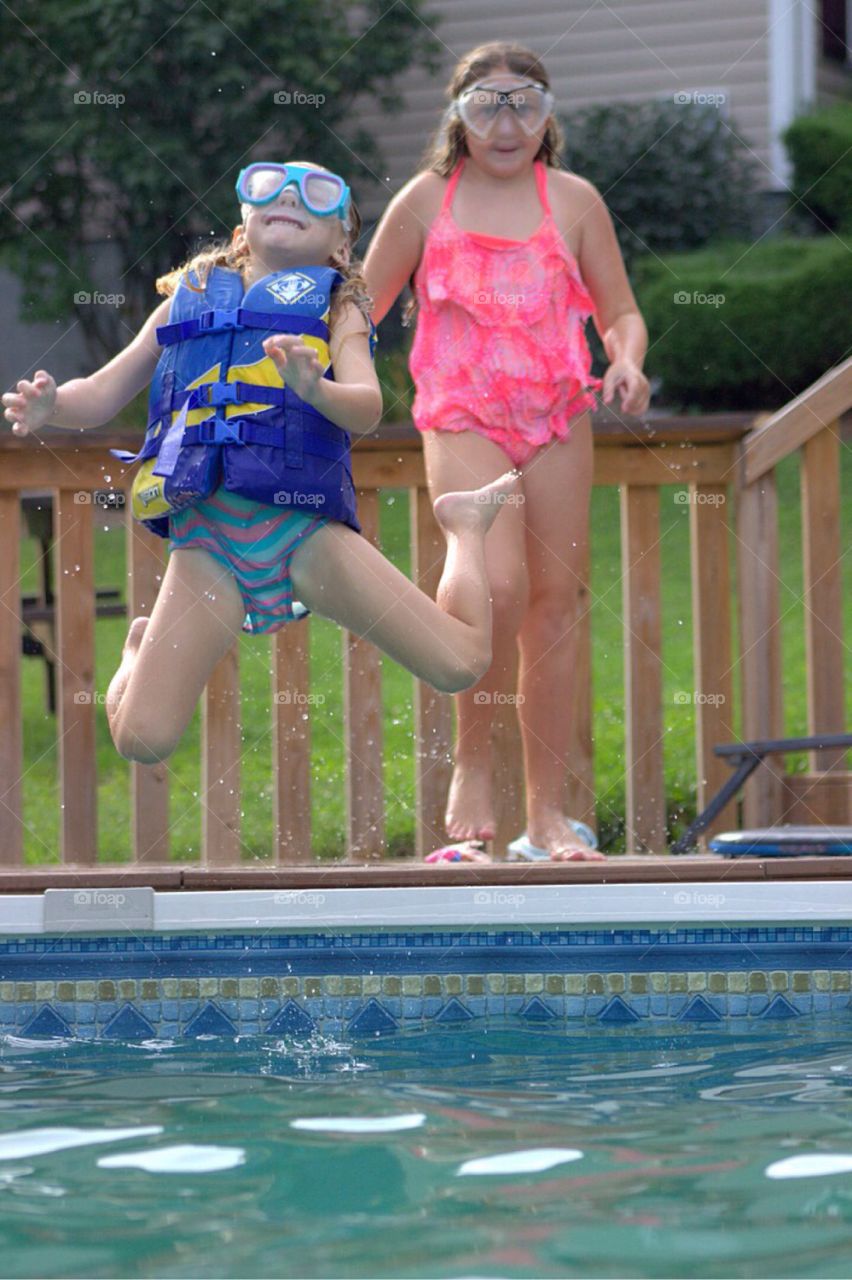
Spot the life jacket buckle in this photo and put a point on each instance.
(220, 431)
(220, 393)
(220, 319)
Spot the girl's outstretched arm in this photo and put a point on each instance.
(397, 244)
(92, 401)
(617, 318)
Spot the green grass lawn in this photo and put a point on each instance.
(41, 794)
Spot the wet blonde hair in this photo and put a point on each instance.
(234, 254)
(448, 146)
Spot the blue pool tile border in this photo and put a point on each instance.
(290, 983)
(517, 950)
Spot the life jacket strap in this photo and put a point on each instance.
(332, 444)
(219, 320)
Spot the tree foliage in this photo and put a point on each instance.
(127, 124)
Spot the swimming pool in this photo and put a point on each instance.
(129, 963)
(666, 1149)
(515, 1080)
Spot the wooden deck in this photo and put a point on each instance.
(401, 874)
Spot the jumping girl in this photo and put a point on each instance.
(261, 363)
(507, 256)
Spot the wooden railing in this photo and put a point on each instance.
(711, 455)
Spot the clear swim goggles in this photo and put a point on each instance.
(480, 105)
(322, 193)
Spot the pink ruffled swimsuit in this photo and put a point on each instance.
(500, 347)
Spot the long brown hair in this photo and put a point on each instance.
(448, 146)
(235, 254)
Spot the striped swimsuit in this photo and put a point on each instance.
(256, 543)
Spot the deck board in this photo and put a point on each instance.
(624, 869)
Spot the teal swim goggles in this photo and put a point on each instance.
(322, 193)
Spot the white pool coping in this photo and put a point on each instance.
(713, 903)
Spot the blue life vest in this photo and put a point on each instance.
(219, 414)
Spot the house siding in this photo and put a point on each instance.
(626, 51)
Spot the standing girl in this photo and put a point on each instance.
(261, 364)
(508, 255)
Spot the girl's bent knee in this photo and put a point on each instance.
(463, 673)
(142, 748)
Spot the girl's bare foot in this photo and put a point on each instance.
(470, 815)
(553, 832)
(467, 509)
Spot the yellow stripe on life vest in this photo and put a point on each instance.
(265, 373)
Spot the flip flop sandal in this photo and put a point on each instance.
(456, 853)
(522, 850)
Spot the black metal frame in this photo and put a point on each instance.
(744, 757)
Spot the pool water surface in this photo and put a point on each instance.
(664, 1150)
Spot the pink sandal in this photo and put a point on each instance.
(462, 851)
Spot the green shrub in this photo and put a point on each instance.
(820, 148)
(395, 381)
(673, 176)
(742, 325)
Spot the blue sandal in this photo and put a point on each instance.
(521, 850)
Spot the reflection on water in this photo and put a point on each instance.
(662, 1151)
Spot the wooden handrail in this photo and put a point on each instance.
(792, 426)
